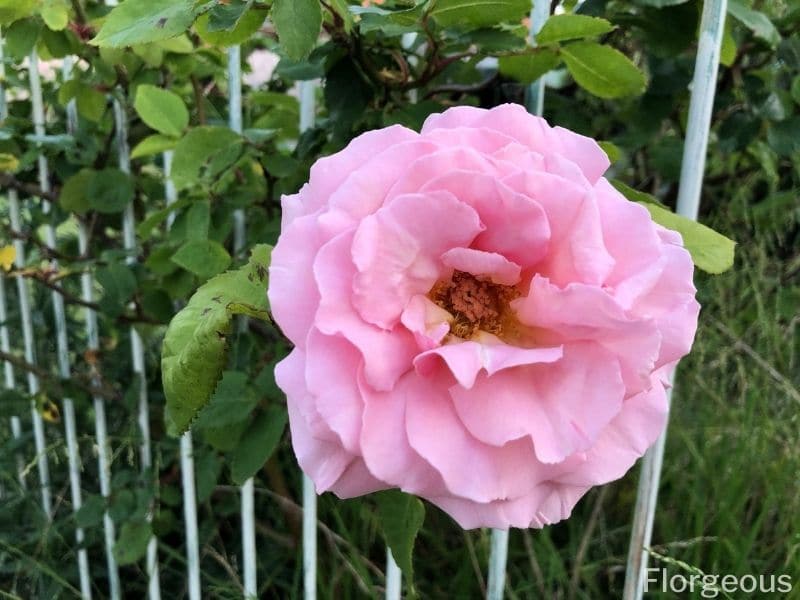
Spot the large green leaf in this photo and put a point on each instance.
(298, 24)
(401, 516)
(132, 543)
(527, 68)
(11, 10)
(204, 152)
(602, 70)
(258, 443)
(161, 109)
(142, 21)
(559, 28)
(194, 352)
(711, 252)
(755, 21)
(244, 27)
(479, 13)
(204, 258)
(110, 190)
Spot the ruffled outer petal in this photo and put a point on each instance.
(562, 407)
(514, 121)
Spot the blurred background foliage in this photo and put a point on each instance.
(730, 500)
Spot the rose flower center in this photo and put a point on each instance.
(477, 305)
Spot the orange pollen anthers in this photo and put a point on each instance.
(476, 305)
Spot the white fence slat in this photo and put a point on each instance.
(10, 380)
(239, 241)
(308, 110)
(495, 587)
(704, 83)
(62, 343)
(534, 102)
(137, 347)
(30, 355)
(188, 480)
(8, 368)
(394, 577)
(100, 426)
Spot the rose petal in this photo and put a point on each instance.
(466, 359)
(496, 267)
(534, 132)
(387, 354)
(397, 250)
(516, 226)
(436, 433)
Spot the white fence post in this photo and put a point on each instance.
(239, 241)
(137, 347)
(704, 83)
(534, 102)
(30, 355)
(62, 342)
(10, 380)
(186, 444)
(308, 110)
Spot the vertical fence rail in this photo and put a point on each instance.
(5, 345)
(239, 241)
(188, 481)
(30, 355)
(62, 342)
(704, 83)
(394, 577)
(92, 347)
(137, 347)
(308, 109)
(534, 102)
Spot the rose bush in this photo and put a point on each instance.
(479, 317)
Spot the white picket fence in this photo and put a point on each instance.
(703, 87)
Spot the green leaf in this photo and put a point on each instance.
(755, 21)
(204, 258)
(612, 151)
(204, 152)
(244, 29)
(635, 195)
(13, 10)
(527, 68)
(91, 103)
(258, 443)
(110, 191)
(55, 14)
(142, 21)
(91, 513)
(400, 516)
(602, 70)
(207, 471)
(232, 402)
(21, 37)
(711, 252)
(73, 195)
(298, 24)
(153, 144)
(223, 17)
(559, 28)
(132, 543)
(161, 109)
(194, 351)
(118, 284)
(479, 13)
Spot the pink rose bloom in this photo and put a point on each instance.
(479, 318)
